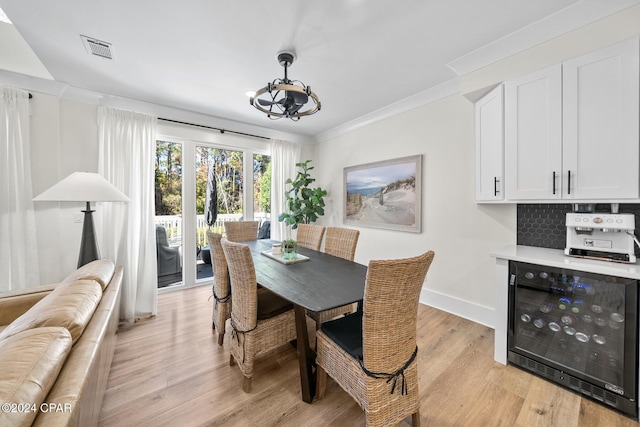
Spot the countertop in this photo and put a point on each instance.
(557, 258)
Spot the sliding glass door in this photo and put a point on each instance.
(168, 201)
(219, 197)
(202, 182)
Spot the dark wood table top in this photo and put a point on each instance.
(321, 283)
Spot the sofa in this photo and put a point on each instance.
(56, 346)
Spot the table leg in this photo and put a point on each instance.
(305, 355)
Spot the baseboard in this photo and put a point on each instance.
(465, 309)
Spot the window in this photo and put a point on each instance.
(242, 173)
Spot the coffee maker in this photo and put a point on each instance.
(601, 236)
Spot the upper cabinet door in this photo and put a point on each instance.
(533, 135)
(601, 112)
(490, 146)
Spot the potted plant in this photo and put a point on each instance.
(303, 203)
(289, 249)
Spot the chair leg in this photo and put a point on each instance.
(246, 385)
(415, 419)
(231, 360)
(221, 338)
(321, 382)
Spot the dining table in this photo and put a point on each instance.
(316, 284)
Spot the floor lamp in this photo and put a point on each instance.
(84, 187)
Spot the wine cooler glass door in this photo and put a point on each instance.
(580, 323)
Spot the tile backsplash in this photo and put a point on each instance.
(542, 225)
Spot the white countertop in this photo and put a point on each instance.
(557, 258)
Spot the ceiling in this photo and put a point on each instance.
(359, 56)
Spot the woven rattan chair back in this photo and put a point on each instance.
(310, 236)
(384, 381)
(250, 336)
(390, 311)
(243, 285)
(241, 231)
(341, 242)
(221, 289)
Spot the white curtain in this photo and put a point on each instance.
(126, 159)
(18, 246)
(284, 156)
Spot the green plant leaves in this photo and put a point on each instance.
(304, 204)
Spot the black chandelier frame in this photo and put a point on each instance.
(275, 106)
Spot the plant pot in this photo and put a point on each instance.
(289, 254)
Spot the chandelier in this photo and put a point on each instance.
(286, 98)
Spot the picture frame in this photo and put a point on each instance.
(385, 194)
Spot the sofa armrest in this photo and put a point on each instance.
(14, 304)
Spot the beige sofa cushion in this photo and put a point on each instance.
(70, 305)
(100, 270)
(30, 362)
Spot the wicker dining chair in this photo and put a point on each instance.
(372, 354)
(221, 288)
(260, 319)
(340, 242)
(241, 231)
(310, 236)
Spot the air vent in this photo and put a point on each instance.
(97, 47)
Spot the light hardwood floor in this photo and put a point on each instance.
(169, 370)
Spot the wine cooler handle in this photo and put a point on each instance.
(554, 182)
(512, 303)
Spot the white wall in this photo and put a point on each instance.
(462, 233)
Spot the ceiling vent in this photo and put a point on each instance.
(97, 47)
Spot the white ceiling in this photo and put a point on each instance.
(359, 56)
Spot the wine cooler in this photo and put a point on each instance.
(577, 329)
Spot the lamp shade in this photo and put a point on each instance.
(82, 187)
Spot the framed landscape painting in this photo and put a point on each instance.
(384, 194)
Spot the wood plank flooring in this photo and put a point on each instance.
(169, 371)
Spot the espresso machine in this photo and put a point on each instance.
(602, 236)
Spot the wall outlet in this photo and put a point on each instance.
(78, 218)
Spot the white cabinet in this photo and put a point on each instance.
(533, 135)
(571, 130)
(490, 146)
(601, 106)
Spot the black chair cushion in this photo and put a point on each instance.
(265, 230)
(346, 332)
(270, 304)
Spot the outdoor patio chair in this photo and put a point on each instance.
(167, 257)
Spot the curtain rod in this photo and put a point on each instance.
(214, 128)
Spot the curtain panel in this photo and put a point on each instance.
(284, 156)
(18, 244)
(126, 159)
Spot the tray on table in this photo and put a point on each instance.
(281, 259)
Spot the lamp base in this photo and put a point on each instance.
(89, 244)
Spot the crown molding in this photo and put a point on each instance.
(443, 90)
(560, 23)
